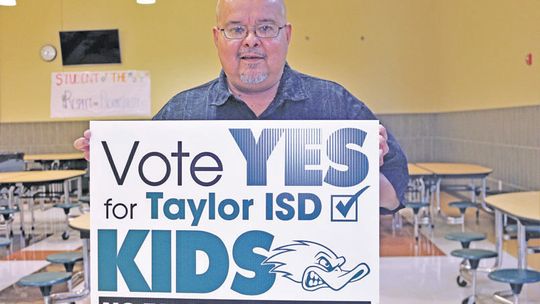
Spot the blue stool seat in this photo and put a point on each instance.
(473, 255)
(515, 277)
(528, 228)
(465, 238)
(44, 280)
(67, 258)
(462, 205)
(4, 242)
(416, 205)
(67, 206)
(8, 210)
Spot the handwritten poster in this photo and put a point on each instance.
(235, 212)
(100, 94)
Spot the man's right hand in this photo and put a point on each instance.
(83, 144)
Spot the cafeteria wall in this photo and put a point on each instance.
(437, 72)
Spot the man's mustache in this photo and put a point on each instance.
(251, 53)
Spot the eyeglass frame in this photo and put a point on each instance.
(222, 30)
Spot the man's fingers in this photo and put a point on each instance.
(87, 134)
(81, 143)
(383, 144)
(382, 131)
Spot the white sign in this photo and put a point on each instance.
(229, 211)
(100, 94)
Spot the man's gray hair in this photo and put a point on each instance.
(280, 2)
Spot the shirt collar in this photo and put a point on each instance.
(291, 87)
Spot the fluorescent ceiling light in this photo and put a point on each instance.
(144, 1)
(8, 2)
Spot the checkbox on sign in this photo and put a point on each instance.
(344, 208)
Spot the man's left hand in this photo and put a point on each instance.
(383, 144)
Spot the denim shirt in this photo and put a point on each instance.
(298, 97)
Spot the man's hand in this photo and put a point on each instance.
(83, 144)
(383, 144)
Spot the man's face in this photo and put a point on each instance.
(252, 64)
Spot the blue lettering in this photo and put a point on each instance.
(356, 161)
(187, 279)
(109, 260)
(245, 258)
(297, 157)
(256, 153)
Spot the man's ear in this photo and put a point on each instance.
(215, 33)
(288, 32)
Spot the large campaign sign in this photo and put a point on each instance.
(235, 212)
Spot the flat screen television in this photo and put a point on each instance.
(90, 47)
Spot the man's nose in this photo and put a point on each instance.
(251, 40)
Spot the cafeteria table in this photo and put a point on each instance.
(522, 206)
(28, 179)
(420, 177)
(444, 171)
(53, 160)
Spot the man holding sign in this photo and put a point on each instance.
(252, 39)
(298, 225)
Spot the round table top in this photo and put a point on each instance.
(416, 171)
(523, 205)
(38, 176)
(81, 223)
(54, 156)
(449, 169)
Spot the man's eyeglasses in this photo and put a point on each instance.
(238, 31)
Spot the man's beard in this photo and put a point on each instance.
(253, 77)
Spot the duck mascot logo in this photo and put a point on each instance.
(314, 266)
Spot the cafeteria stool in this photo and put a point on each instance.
(67, 207)
(45, 281)
(5, 243)
(462, 206)
(7, 215)
(68, 259)
(465, 239)
(531, 232)
(416, 206)
(473, 256)
(516, 278)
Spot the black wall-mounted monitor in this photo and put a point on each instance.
(90, 47)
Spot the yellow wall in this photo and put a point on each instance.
(483, 45)
(397, 56)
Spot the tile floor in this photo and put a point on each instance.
(410, 272)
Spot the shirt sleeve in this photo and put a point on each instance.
(395, 161)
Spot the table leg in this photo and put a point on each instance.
(438, 194)
(522, 245)
(498, 239)
(79, 187)
(483, 201)
(21, 210)
(66, 191)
